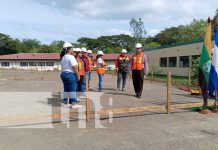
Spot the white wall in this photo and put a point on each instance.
(184, 50)
(15, 64)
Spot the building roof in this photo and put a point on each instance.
(46, 56)
(172, 45)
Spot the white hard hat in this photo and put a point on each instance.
(100, 53)
(138, 45)
(77, 50)
(124, 51)
(89, 52)
(84, 49)
(67, 44)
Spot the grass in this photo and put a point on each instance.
(163, 78)
(197, 109)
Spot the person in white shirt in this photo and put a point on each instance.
(69, 75)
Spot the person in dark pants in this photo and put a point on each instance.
(81, 70)
(69, 75)
(139, 65)
(122, 69)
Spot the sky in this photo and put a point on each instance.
(68, 20)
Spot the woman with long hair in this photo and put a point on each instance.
(69, 75)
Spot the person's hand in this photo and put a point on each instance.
(116, 69)
(78, 77)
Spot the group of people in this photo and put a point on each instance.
(78, 63)
(138, 64)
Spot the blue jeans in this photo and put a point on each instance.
(84, 82)
(70, 86)
(100, 82)
(90, 76)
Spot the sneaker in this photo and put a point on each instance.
(76, 106)
(82, 97)
(67, 105)
(90, 88)
(78, 100)
(117, 90)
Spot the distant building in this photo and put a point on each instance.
(176, 58)
(40, 61)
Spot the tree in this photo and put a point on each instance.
(30, 46)
(138, 29)
(8, 45)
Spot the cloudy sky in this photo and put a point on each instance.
(49, 20)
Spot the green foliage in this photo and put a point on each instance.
(194, 30)
(109, 44)
(194, 71)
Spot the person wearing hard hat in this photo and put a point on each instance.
(122, 69)
(86, 66)
(69, 75)
(91, 65)
(100, 69)
(139, 66)
(81, 70)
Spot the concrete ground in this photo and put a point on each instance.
(30, 101)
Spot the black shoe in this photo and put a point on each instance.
(137, 96)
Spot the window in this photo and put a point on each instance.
(32, 64)
(49, 63)
(5, 64)
(184, 61)
(41, 64)
(194, 57)
(24, 64)
(163, 62)
(172, 61)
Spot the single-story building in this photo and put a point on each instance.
(176, 58)
(40, 61)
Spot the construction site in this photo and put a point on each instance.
(31, 109)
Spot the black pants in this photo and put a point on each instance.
(138, 79)
(80, 84)
(121, 77)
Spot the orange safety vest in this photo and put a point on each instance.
(138, 61)
(81, 67)
(90, 64)
(100, 69)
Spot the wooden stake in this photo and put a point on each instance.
(169, 92)
(87, 100)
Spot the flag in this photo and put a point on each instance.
(205, 64)
(213, 78)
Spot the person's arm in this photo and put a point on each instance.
(74, 65)
(75, 69)
(146, 67)
(116, 64)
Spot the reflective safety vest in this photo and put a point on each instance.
(100, 69)
(123, 60)
(123, 63)
(81, 67)
(91, 64)
(138, 61)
